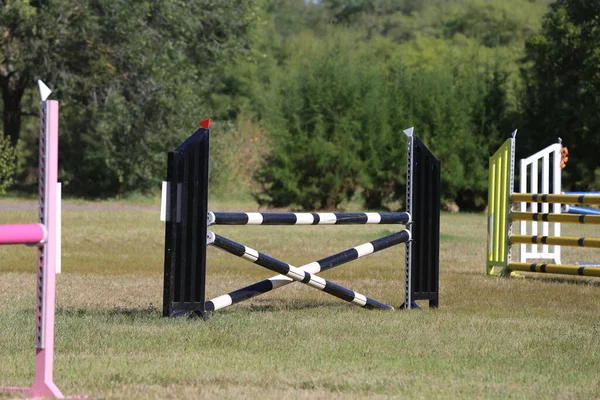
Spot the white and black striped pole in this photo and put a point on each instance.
(290, 218)
(324, 264)
(296, 274)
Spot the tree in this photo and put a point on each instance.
(561, 97)
(337, 117)
(25, 34)
(7, 164)
(313, 124)
(131, 78)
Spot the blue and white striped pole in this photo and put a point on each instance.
(296, 274)
(289, 218)
(324, 264)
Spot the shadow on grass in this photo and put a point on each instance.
(282, 305)
(152, 313)
(116, 313)
(541, 277)
(566, 280)
(274, 306)
(538, 277)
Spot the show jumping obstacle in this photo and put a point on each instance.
(544, 168)
(500, 218)
(45, 236)
(185, 209)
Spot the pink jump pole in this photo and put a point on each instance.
(32, 234)
(43, 385)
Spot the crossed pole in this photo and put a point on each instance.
(305, 274)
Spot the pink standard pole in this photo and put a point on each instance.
(22, 234)
(43, 385)
(45, 235)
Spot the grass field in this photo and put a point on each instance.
(537, 337)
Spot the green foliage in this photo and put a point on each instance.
(162, 62)
(490, 23)
(450, 114)
(313, 119)
(130, 78)
(8, 156)
(329, 84)
(562, 92)
(447, 68)
(339, 113)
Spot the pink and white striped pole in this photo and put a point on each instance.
(43, 234)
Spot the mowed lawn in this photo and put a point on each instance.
(533, 337)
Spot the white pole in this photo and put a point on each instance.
(523, 208)
(58, 227)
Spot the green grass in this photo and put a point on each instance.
(537, 337)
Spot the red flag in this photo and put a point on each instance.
(205, 124)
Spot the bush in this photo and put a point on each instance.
(8, 158)
(314, 123)
(339, 112)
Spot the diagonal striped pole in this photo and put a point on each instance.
(296, 274)
(323, 264)
(290, 218)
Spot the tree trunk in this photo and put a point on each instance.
(13, 86)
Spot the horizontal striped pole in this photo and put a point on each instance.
(550, 217)
(323, 264)
(556, 240)
(296, 274)
(555, 269)
(23, 234)
(555, 198)
(289, 218)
